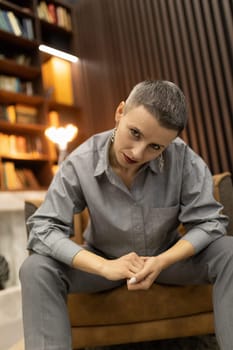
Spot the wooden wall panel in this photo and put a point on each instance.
(121, 42)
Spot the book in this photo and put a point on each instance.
(26, 119)
(11, 113)
(21, 144)
(52, 11)
(63, 18)
(12, 144)
(14, 23)
(11, 180)
(37, 145)
(6, 22)
(30, 179)
(26, 87)
(26, 114)
(3, 23)
(27, 28)
(10, 83)
(25, 109)
(22, 59)
(60, 16)
(4, 143)
(3, 115)
(44, 13)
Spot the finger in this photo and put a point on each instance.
(142, 274)
(144, 258)
(137, 286)
(132, 280)
(142, 285)
(134, 258)
(144, 277)
(140, 262)
(136, 267)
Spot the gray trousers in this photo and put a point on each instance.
(46, 282)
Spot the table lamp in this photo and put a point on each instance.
(61, 136)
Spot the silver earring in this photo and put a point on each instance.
(113, 135)
(161, 163)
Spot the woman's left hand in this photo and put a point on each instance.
(146, 277)
(143, 279)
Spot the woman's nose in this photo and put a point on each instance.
(138, 152)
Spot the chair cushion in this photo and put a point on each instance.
(120, 306)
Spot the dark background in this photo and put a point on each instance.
(121, 42)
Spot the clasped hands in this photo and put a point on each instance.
(142, 271)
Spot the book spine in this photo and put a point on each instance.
(14, 23)
(28, 28)
(6, 22)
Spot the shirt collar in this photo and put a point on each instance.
(154, 165)
(103, 160)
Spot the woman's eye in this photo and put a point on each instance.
(135, 133)
(155, 147)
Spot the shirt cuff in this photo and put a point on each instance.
(198, 238)
(65, 249)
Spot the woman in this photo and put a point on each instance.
(139, 181)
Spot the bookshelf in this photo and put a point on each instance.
(26, 155)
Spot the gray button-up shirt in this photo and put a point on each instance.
(143, 219)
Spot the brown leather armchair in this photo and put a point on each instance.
(119, 316)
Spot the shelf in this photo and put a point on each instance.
(18, 40)
(55, 28)
(17, 127)
(25, 157)
(42, 189)
(9, 66)
(61, 106)
(10, 97)
(23, 11)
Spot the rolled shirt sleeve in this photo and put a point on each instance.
(52, 224)
(200, 212)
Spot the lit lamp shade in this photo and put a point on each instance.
(61, 136)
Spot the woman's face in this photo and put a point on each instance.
(139, 138)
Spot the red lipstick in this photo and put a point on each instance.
(129, 160)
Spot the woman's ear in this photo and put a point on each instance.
(119, 112)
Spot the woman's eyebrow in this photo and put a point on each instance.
(153, 143)
(141, 133)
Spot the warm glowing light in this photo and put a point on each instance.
(62, 135)
(58, 53)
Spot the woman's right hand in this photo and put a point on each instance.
(124, 267)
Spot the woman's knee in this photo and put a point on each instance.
(44, 276)
(223, 247)
(220, 255)
(36, 267)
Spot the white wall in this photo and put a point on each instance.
(13, 241)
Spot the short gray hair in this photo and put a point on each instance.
(163, 99)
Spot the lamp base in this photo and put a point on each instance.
(62, 155)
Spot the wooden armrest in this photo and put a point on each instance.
(224, 194)
(218, 178)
